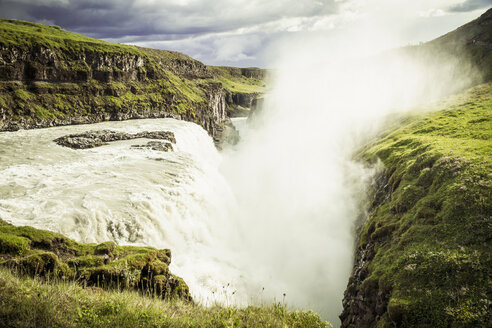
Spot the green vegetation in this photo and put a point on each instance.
(27, 302)
(431, 230)
(234, 81)
(46, 254)
(48, 280)
(26, 35)
(64, 75)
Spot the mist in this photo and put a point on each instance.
(273, 218)
(299, 192)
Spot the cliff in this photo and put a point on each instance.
(243, 86)
(423, 256)
(51, 77)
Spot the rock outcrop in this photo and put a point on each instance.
(240, 104)
(46, 254)
(242, 87)
(94, 139)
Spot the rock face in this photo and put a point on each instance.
(40, 63)
(64, 78)
(99, 138)
(239, 104)
(364, 302)
(43, 74)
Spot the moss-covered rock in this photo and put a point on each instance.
(107, 248)
(46, 254)
(13, 244)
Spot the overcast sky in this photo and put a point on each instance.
(245, 32)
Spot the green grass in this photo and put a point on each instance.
(48, 280)
(431, 236)
(46, 254)
(26, 34)
(28, 302)
(233, 81)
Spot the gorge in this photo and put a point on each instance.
(360, 184)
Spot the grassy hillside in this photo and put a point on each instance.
(26, 34)
(425, 253)
(236, 81)
(474, 39)
(470, 43)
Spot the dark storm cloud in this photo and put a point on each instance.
(224, 32)
(470, 5)
(119, 18)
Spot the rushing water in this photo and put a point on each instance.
(115, 192)
(228, 244)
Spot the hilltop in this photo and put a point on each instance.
(470, 46)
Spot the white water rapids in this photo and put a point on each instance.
(179, 200)
(170, 200)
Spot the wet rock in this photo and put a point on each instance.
(156, 145)
(92, 139)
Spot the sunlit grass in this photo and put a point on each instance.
(430, 225)
(233, 81)
(28, 302)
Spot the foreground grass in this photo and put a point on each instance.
(28, 302)
(427, 243)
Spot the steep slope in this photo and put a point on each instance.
(474, 40)
(243, 86)
(424, 255)
(468, 44)
(49, 77)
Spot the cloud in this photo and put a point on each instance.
(470, 5)
(214, 25)
(433, 12)
(120, 18)
(229, 32)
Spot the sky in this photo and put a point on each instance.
(246, 32)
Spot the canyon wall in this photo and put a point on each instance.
(51, 77)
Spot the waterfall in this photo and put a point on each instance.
(271, 219)
(175, 200)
